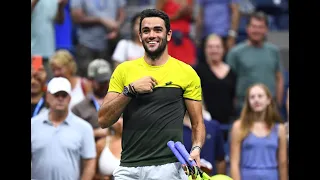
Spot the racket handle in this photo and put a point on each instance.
(182, 149)
(176, 153)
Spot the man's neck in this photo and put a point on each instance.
(257, 44)
(57, 117)
(35, 98)
(158, 61)
(98, 98)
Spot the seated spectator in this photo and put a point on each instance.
(38, 84)
(180, 46)
(99, 73)
(109, 152)
(98, 23)
(62, 144)
(256, 61)
(44, 14)
(212, 153)
(129, 49)
(218, 82)
(258, 139)
(63, 64)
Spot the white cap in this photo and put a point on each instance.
(59, 84)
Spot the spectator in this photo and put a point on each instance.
(256, 61)
(63, 65)
(212, 153)
(218, 17)
(38, 83)
(218, 81)
(258, 139)
(129, 49)
(180, 13)
(99, 73)
(109, 152)
(44, 13)
(64, 31)
(98, 25)
(59, 139)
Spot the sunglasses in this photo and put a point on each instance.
(60, 94)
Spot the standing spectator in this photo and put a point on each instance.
(98, 24)
(63, 65)
(64, 31)
(256, 61)
(180, 13)
(220, 17)
(38, 83)
(258, 139)
(218, 81)
(99, 73)
(129, 49)
(44, 14)
(60, 140)
(212, 153)
(109, 152)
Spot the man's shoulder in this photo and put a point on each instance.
(39, 118)
(177, 64)
(239, 47)
(83, 124)
(271, 46)
(124, 66)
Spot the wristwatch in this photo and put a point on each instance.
(127, 93)
(195, 147)
(233, 33)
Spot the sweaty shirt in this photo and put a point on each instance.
(151, 120)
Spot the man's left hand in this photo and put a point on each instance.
(195, 155)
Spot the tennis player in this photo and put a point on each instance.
(153, 93)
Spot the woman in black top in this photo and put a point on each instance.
(217, 80)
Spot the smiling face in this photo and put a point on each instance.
(258, 99)
(154, 36)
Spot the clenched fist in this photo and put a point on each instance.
(144, 85)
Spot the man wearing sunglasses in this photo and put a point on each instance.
(60, 139)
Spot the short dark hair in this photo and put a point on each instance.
(260, 16)
(155, 13)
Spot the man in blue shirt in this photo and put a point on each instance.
(62, 144)
(212, 153)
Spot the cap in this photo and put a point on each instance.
(99, 70)
(59, 84)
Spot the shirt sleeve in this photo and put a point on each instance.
(117, 80)
(75, 4)
(119, 54)
(232, 60)
(193, 90)
(88, 149)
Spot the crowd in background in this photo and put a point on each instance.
(223, 40)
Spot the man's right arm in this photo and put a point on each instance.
(79, 16)
(112, 108)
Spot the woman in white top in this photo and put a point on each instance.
(129, 49)
(63, 64)
(109, 152)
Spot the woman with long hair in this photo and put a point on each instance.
(63, 64)
(258, 139)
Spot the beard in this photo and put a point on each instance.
(158, 52)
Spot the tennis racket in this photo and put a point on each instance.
(192, 169)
